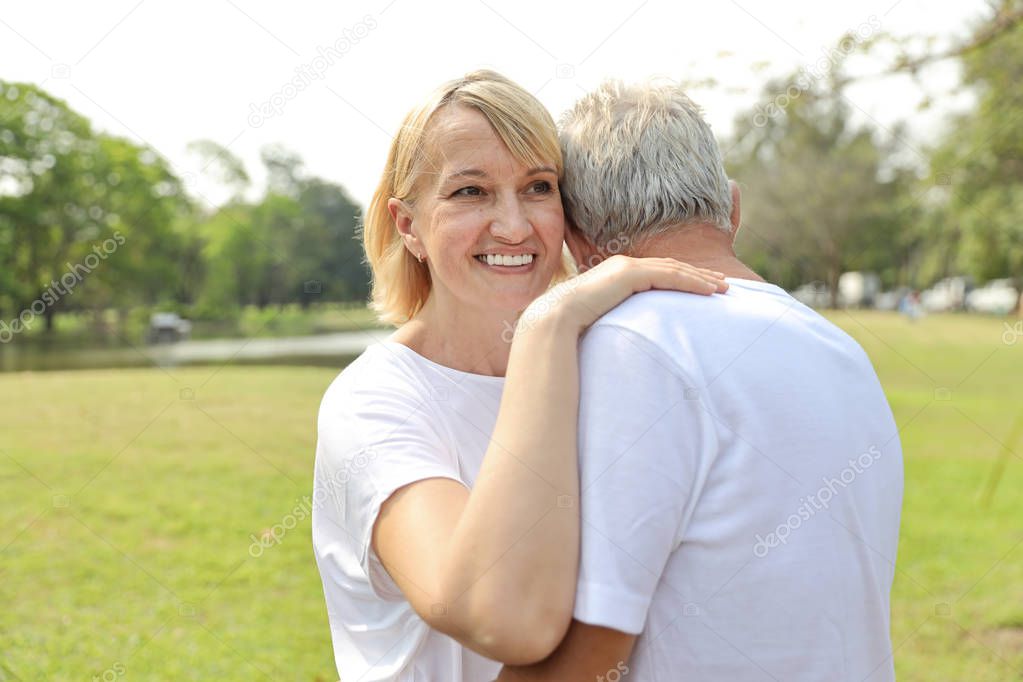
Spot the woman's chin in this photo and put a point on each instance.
(517, 300)
(508, 306)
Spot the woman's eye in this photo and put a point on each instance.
(468, 192)
(541, 187)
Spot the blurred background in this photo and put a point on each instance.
(181, 278)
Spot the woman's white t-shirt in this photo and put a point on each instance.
(391, 418)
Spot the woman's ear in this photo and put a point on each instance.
(401, 213)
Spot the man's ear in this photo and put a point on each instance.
(582, 249)
(401, 213)
(736, 217)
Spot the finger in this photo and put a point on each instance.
(693, 268)
(708, 272)
(681, 276)
(709, 286)
(689, 265)
(714, 281)
(712, 276)
(679, 280)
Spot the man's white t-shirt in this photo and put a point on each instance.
(391, 418)
(741, 479)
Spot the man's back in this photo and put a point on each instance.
(742, 484)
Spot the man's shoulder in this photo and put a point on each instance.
(742, 296)
(699, 333)
(645, 328)
(662, 318)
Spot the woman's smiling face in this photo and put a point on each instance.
(491, 228)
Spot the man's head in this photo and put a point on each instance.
(640, 163)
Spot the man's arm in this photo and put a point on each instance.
(588, 652)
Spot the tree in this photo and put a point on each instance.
(979, 165)
(331, 252)
(297, 244)
(91, 221)
(69, 199)
(820, 194)
(226, 168)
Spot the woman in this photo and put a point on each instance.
(447, 539)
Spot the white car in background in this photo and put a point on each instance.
(858, 289)
(814, 295)
(997, 297)
(946, 295)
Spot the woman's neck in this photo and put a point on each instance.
(475, 341)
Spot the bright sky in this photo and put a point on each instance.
(167, 73)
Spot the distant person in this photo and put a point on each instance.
(741, 472)
(910, 306)
(445, 519)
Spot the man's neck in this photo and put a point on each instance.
(703, 246)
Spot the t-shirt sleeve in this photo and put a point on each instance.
(372, 442)
(645, 442)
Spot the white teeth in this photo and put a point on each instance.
(506, 261)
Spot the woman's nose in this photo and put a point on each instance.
(510, 223)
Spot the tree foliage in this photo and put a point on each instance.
(67, 191)
(980, 162)
(819, 197)
(90, 221)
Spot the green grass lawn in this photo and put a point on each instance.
(956, 388)
(129, 497)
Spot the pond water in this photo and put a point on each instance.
(325, 349)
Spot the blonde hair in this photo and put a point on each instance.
(401, 284)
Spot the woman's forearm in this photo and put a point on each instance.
(512, 561)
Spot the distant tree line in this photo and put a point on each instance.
(92, 222)
(823, 195)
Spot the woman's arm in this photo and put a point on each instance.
(495, 567)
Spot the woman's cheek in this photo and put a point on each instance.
(553, 220)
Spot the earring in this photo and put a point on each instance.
(420, 257)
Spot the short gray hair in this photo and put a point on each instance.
(640, 159)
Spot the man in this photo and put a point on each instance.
(741, 472)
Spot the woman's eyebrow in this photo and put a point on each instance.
(479, 173)
(467, 173)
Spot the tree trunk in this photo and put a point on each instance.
(1018, 283)
(834, 273)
